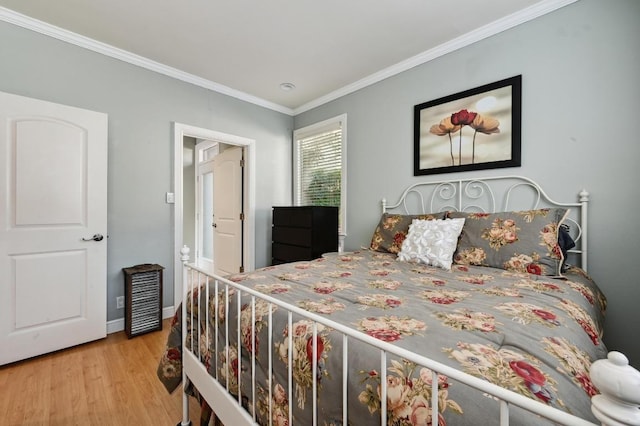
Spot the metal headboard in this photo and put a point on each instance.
(490, 195)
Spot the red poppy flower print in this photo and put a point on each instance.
(455, 124)
(463, 117)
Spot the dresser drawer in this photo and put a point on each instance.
(293, 217)
(303, 233)
(289, 253)
(294, 236)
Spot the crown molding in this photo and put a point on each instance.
(498, 26)
(481, 33)
(44, 28)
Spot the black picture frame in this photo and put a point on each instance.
(471, 130)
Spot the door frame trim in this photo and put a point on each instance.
(179, 132)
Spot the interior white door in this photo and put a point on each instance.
(227, 211)
(53, 226)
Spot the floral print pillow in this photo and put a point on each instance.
(519, 241)
(393, 229)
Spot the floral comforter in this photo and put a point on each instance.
(532, 334)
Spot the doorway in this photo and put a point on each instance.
(218, 226)
(185, 205)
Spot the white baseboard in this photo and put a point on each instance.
(116, 325)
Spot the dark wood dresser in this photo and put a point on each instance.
(303, 233)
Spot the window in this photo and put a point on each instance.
(319, 167)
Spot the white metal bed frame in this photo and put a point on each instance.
(619, 383)
(481, 195)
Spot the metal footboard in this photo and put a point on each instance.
(229, 408)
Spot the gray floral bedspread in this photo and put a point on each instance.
(532, 334)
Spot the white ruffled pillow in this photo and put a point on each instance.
(432, 242)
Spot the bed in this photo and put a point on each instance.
(472, 302)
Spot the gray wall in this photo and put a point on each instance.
(142, 106)
(580, 67)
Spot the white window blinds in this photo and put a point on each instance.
(319, 165)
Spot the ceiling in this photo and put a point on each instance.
(247, 48)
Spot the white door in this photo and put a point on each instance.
(53, 192)
(227, 211)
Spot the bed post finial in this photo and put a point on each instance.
(619, 384)
(184, 254)
(384, 205)
(584, 196)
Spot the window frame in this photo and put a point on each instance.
(331, 124)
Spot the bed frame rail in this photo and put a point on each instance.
(618, 405)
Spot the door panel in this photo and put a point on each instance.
(53, 187)
(62, 298)
(49, 175)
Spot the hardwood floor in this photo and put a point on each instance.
(108, 382)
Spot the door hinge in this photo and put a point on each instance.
(241, 269)
(242, 163)
(241, 216)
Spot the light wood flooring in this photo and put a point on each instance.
(108, 382)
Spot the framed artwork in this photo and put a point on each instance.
(471, 130)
